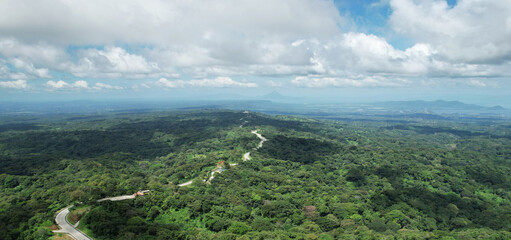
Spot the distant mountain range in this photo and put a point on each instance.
(435, 106)
(276, 96)
(273, 103)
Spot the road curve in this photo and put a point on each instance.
(66, 227)
(246, 156)
(263, 139)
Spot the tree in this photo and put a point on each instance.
(239, 228)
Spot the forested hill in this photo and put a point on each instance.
(312, 179)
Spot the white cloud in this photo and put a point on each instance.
(99, 86)
(112, 62)
(472, 31)
(17, 67)
(34, 52)
(208, 83)
(30, 69)
(18, 84)
(352, 54)
(80, 84)
(325, 82)
(57, 85)
(220, 82)
(35, 59)
(209, 39)
(140, 86)
(164, 22)
(163, 82)
(226, 37)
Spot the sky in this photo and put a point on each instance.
(346, 50)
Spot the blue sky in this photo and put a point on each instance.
(315, 49)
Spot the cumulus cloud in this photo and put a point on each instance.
(80, 84)
(220, 82)
(208, 83)
(57, 85)
(325, 82)
(472, 31)
(111, 62)
(37, 53)
(18, 84)
(35, 59)
(16, 68)
(164, 22)
(163, 82)
(30, 69)
(99, 86)
(226, 37)
(209, 39)
(352, 54)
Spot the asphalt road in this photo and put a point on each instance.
(118, 198)
(186, 183)
(246, 156)
(66, 227)
(263, 139)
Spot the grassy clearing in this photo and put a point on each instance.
(61, 236)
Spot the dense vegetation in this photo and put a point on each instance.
(313, 179)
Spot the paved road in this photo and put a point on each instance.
(66, 227)
(186, 183)
(246, 157)
(263, 139)
(123, 197)
(118, 198)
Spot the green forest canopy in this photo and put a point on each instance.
(313, 179)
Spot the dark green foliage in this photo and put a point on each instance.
(278, 209)
(301, 150)
(86, 143)
(356, 175)
(18, 127)
(217, 224)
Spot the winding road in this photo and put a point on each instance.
(66, 227)
(263, 139)
(246, 156)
